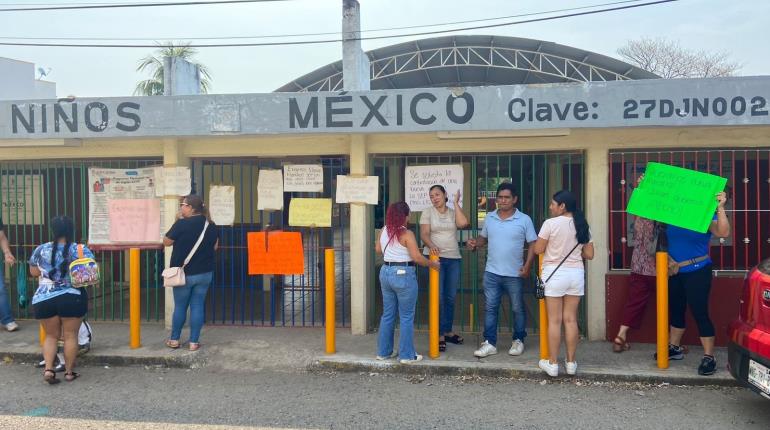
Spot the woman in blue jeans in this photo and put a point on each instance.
(438, 231)
(192, 225)
(398, 281)
(6, 317)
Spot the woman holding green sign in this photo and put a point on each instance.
(690, 284)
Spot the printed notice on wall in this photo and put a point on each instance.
(270, 190)
(419, 179)
(134, 220)
(22, 199)
(352, 189)
(172, 181)
(303, 178)
(222, 204)
(310, 212)
(105, 185)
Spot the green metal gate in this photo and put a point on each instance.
(32, 193)
(536, 176)
(237, 298)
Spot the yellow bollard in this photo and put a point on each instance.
(433, 311)
(331, 318)
(661, 265)
(41, 334)
(471, 321)
(543, 316)
(134, 300)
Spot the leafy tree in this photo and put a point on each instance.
(154, 65)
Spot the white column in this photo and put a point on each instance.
(361, 245)
(597, 207)
(173, 155)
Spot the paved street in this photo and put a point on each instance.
(143, 397)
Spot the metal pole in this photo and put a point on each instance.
(134, 299)
(41, 334)
(331, 319)
(661, 265)
(433, 311)
(543, 316)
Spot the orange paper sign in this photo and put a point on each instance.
(280, 253)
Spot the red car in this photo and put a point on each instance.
(749, 346)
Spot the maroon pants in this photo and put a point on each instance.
(640, 289)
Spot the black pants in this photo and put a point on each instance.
(691, 288)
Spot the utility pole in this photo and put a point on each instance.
(355, 63)
(355, 75)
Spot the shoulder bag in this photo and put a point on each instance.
(174, 276)
(540, 285)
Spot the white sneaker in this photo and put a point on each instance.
(551, 369)
(571, 367)
(517, 348)
(486, 350)
(381, 358)
(12, 326)
(417, 358)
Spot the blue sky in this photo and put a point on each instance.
(737, 27)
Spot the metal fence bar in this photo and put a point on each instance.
(486, 171)
(292, 300)
(41, 190)
(744, 169)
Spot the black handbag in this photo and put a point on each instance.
(540, 285)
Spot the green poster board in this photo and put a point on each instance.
(676, 196)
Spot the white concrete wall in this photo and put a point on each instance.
(16, 79)
(17, 82)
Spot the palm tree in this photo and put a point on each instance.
(154, 63)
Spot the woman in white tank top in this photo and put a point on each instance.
(398, 282)
(565, 239)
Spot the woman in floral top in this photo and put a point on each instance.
(641, 282)
(59, 306)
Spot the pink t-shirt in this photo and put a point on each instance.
(560, 233)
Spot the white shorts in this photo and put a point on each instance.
(567, 281)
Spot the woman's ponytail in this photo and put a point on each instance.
(569, 201)
(581, 226)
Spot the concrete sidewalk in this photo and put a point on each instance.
(298, 349)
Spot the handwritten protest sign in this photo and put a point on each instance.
(673, 195)
(222, 204)
(277, 253)
(419, 179)
(303, 178)
(310, 212)
(351, 189)
(270, 190)
(134, 220)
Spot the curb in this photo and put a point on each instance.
(181, 362)
(447, 369)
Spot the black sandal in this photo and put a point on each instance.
(71, 376)
(52, 380)
(442, 345)
(455, 339)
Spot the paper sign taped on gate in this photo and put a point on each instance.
(278, 253)
(134, 220)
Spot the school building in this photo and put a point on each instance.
(540, 115)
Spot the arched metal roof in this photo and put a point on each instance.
(473, 61)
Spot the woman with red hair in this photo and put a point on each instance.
(398, 281)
